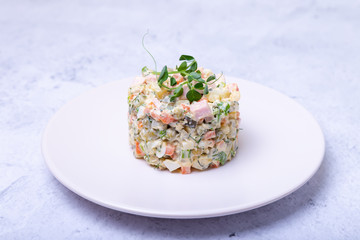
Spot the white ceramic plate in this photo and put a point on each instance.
(85, 146)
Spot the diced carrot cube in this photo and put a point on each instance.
(215, 164)
(185, 169)
(185, 107)
(164, 117)
(170, 149)
(138, 150)
(209, 134)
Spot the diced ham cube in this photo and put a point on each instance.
(201, 110)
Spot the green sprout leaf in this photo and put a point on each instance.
(211, 78)
(162, 133)
(143, 44)
(221, 156)
(193, 95)
(163, 75)
(195, 75)
(144, 69)
(182, 67)
(178, 91)
(199, 86)
(193, 67)
(186, 58)
(173, 81)
(190, 78)
(227, 109)
(206, 90)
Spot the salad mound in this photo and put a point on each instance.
(183, 118)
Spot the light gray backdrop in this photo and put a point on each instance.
(51, 51)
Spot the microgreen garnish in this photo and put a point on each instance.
(162, 133)
(186, 58)
(192, 78)
(145, 71)
(193, 95)
(199, 86)
(206, 90)
(209, 79)
(143, 44)
(177, 93)
(221, 156)
(173, 81)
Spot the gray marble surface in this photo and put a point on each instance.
(52, 51)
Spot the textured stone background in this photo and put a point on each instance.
(51, 51)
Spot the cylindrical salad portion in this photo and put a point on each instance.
(177, 133)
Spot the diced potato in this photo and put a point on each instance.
(202, 162)
(235, 96)
(226, 129)
(171, 165)
(188, 144)
(218, 94)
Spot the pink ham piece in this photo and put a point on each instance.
(201, 110)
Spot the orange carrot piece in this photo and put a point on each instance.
(138, 150)
(170, 149)
(185, 169)
(209, 134)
